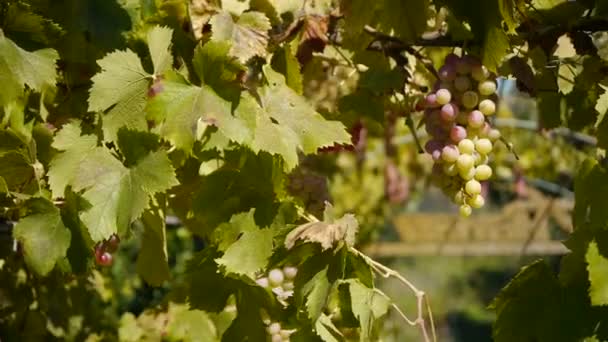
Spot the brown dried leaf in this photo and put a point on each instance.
(324, 233)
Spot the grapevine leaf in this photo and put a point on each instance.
(204, 278)
(508, 9)
(159, 44)
(249, 34)
(190, 325)
(44, 238)
(601, 106)
(326, 329)
(120, 88)
(19, 67)
(285, 62)
(214, 65)
(328, 234)
(236, 7)
(406, 18)
(597, 266)
(292, 111)
(15, 169)
(316, 292)
(567, 74)
(249, 253)
(227, 233)
(367, 306)
(135, 145)
(152, 261)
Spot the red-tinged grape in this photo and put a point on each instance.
(450, 154)
(446, 73)
(431, 101)
(472, 187)
(443, 96)
(436, 155)
(104, 259)
(275, 277)
(462, 83)
(263, 282)
(470, 99)
(476, 201)
(465, 162)
(449, 112)
(457, 133)
(483, 146)
(476, 119)
(487, 88)
(466, 146)
(112, 243)
(465, 210)
(451, 60)
(487, 107)
(483, 172)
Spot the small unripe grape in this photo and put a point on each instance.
(472, 187)
(480, 158)
(465, 210)
(465, 162)
(274, 328)
(487, 107)
(476, 119)
(486, 88)
(466, 146)
(462, 83)
(263, 282)
(290, 272)
(446, 73)
(494, 134)
(457, 133)
(443, 96)
(275, 277)
(467, 174)
(458, 197)
(450, 154)
(479, 73)
(288, 285)
(450, 169)
(469, 99)
(483, 146)
(476, 201)
(449, 112)
(431, 101)
(483, 172)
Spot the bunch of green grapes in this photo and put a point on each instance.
(455, 116)
(279, 281)
(276, 333)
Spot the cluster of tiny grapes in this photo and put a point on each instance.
(276, 333)
(455, 116)
(279, 281)
(104, 250)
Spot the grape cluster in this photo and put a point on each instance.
(279, 281)
(104, 250)
(461, 138)
(276, 333)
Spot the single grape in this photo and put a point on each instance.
(443, 96)
(450, 154)
(457, 133)
(446, 73)
(436, 155)
(479, 73)
(112, 243)
(449, 112)
(431, 101)
(462, 83)
(486, 88)
(105, 259)
(472, 187)
(466, 146)
(467, 174)
(483, 172)
(476, 201)
(480, 158)
(465, 210)
(274, 328)
(450, 169)
(290, 272)
(275, 277)
(263, 282)
(458, 197)
(469, 99)
(487, 107)
(483, 146)
(494, 134)
(476, 119)
(451, 60)
(465, 162)
(288, 285)
(462, 67)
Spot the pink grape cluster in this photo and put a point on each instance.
(455, 116)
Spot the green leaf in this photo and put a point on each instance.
(508, 9)
(203, 277)
(228, 233)
(249, 34)
(597, 266)
(367, 305)
(249, 253)
(190, 325)
(19, 67)
(601, 106)
(326, 329)
(159, 44)
(44, 238)
(316, 292)
(121, 89)
(406, 18)
(214, 65)
(235, 7)
(152, 260)
(285, 62)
